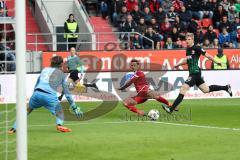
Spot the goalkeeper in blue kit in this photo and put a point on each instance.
(45, 94)
(75, 66)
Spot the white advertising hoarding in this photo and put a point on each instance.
(108, 82)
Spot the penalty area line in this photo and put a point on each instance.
(156, 122)
(196, 126)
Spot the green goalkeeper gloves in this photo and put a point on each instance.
(76, 110)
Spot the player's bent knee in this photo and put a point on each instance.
(204, 88)
(184, 89)
(128, 102)
(156, 97)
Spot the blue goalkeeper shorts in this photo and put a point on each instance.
(46, 100)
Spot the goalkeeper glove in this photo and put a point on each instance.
(77, 111)
(80, 88)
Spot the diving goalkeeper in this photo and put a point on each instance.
(75, 66)
(45, 94)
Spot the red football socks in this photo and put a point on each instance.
(135, 110)
(162, 100)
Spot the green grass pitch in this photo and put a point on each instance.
(204, 130)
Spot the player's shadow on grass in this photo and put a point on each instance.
(104, 106)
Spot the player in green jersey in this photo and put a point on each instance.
(193, 53)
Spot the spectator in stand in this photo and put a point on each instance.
(185, 16)
(178, 43)
(237, 6)
(225, 24)
(180, 26)
(137, 42)
(160, 15)
(231, 45)
(215, 43)
(143, 4)
(174, 34)
(195, 8)
(165, 28)
(166, 4)
(142, 27)
(156, 28)
(131, 4)
(207, 9)
(125, 2)
(171, 15)
(236, 23)
(154, 25)
(225, 4)
(104, 9)
(192, 27)
(150, 35)
(214, 4)
(136, 13)
(169, 44)
(122, 15)
(233, 38)
(238, 36)
(147, 15)
(207, 44)
(177, 4)
(198, 36)
(224, 38)
(210, 34)
(114, 9)
(232, 14)
(8, 57)
(154, 5)
(129, 25)
(3, 9)
(71, 31)
(217, 15)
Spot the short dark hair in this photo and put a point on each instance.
(70, 15)
(56, 61)
(135, 60)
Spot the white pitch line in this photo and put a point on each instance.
(157, 122)
(198, 126)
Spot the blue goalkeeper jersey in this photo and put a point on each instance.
(50, 80)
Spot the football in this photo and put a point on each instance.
(153, 114)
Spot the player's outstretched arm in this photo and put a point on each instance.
(210, 57)
(126, 85)
(182, 62)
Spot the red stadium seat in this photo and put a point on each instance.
(206, 22)
(162, 44)
(217, 32)
(199, 23)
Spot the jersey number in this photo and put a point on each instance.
(189, 79)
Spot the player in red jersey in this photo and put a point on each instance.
(143, 91)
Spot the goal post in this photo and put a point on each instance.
(21, 112)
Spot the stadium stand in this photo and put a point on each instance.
(32, 26)
(104, 29)
(204, 14)
(162, 15)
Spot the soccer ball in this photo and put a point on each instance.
(153, 114)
